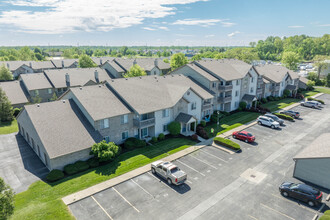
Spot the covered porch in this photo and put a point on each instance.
(188, 123)
(292, 89)
(249, 99)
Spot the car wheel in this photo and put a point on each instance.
(234, 136)
(153, 170)
(272, 126)
(311, 203)
(246, 141)
(259, 122)
(285, 194)
(169, 181)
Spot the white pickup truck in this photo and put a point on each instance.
(169, 171)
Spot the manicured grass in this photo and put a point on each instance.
(8, 127)
(276, 105)
(43, 201)
(325, 90)
(230, 122)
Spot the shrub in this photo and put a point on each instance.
(76, 167)
(300, 96)
(194, 137)
(70, 169)
(325, 217)
(54, 175)
(154, 139)
(215, 115)
(242, 105)
(174, 128)
(93, 162)
(201, 132)
(132, 143)
(81, 165)
(203, 123)
(276, 98)
(264, 100)
(286, 117)
(226, 143)
(318, 100)
(286, 92)
(327, 212)
(16, 111)
(270, 98)
(225, 113)
(161, 136)
(104, 151)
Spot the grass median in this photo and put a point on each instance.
(8, 127)
(43, 200)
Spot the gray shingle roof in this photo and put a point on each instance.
(100, 102)
(319, 148)
(146, 63)
(293, 74)
(61, 127)
(151, 93)
(66, 62)
(101, 60)
(14, 65)
(303, 80)
(275, 73)
(14, 92)
(183, 117)
(202, 72)
(249, 98)
(78, 76)
(290, 87)
(35, 81)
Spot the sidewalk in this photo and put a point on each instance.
(122, 178)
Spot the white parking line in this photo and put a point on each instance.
(191, 168)
(189, 181)
(142, 188)
(297, 204)
(213, 156)
(161, 182)
(252, 217)
(274, 210)
(101, 207)
(204, 162)
(125, 199)
(321, 207)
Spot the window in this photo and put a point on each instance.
(236, 104)
(105, 123)
(236, 93)
(59, 90)
(164, 127)
(49, 91)
(193, 106)
(252, 79)
(36, 92)
(124, 119)
(166, 113)
(214, 85)
(251, 90)
(107, 139)
(221, 83)
(144, 117)
(124, 135)
(144, 132)
(237, 82)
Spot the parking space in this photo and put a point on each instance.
(220, 185)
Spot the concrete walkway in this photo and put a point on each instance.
(124, 177)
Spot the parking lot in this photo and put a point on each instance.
(220, 185)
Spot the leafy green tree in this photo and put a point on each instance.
(5, 73)
(36, 99)
(37, 50)
(328, 80)
(6, 110)
(6, 200)
(245, 54)
(166, 60)
(320, 64)
(54, 97)
(196, 57)
(39, 56)
(86, 62)
(312, 76)
(310, 84)
(174, 128)
(178, 60)
(290, 60)
(25, 53)
(135, 71)
(104, 151)
(252, 44)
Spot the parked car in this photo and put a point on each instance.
(311, 104)
(244, 136)
(291, 113)
(263, 120)
(275, 118)
(301, 192)
(169, 171)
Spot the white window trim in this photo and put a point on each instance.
(125, 135)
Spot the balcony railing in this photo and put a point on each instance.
(144, 123)
(207, 105)
(225, 88)
(259, 91)
(224, 99)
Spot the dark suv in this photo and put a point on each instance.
(301, 192)
(291, 113)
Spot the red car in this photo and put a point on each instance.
(244, 136)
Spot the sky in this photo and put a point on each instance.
(158, 22)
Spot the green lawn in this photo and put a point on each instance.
(230, 122)
(8, 127)
(43, 201)
(276, 105)
(317, 90)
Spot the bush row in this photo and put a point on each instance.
(318, 100)
(201, 132)
(226, 143)
(132, 143)
(286, 117)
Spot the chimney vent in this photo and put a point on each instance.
(67, 78)
(30, 64)
(134, 62)
(38, 105)
(96, 74)
(63, 101)
(62, 63)
(156, 62)
(8, 65)
(100, 61)
(80, 88)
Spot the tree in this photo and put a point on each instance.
(6, 200)
(312, 76)
(54, 97)
(5, 73)
(174, 128)
(166, 60)
(328, 80)
(86, 62)
(39, 56)
(252, 44)
(178, 60)
(320, 64)
(310, 84)
(37, 50)
(25, 53)
(196, 57)
(135, 71)
(290, 60)
(6, 110)
(36, 99)
(104, 151)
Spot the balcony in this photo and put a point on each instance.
(259, 91)
(144, 123)
(225, 88)
(277, 88)
(224, 99)
(206, 106)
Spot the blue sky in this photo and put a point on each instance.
(158, 22)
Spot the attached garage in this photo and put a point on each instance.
(313, 163)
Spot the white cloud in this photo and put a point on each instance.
(295, 26)
(148, 28)
(210, 35)
(199, 22)
(67, 16)
(324, 25)
(164, 28)
(227, 24)
(233, 34)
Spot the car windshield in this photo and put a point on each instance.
(271, 120)
(175, 169)
(294, 185)
(249, 134)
